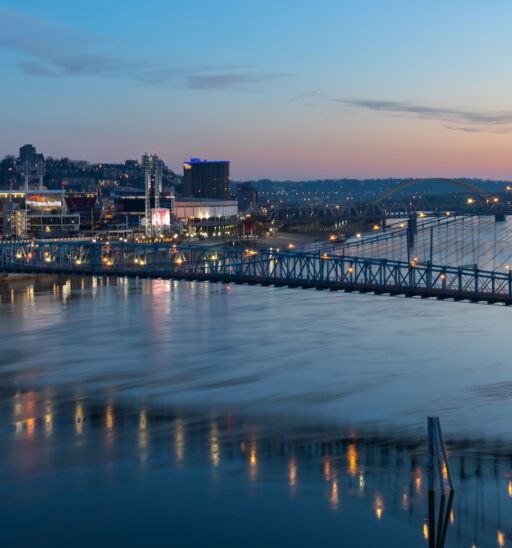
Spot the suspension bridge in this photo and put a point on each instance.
(452, 258)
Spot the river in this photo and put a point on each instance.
(156, 412)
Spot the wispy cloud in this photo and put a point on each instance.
(472, 121)
(43, 44)
(305, 95)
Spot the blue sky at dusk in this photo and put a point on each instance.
(292, 89)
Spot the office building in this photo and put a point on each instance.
(32, 167)
(206, 179)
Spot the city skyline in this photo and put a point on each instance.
(355, 90)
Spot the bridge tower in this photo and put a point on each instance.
(412, 228)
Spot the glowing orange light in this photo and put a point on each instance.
(334, 498)
(327, 468)
(109, 418)
(352, 459)
(292, 473)
(418, 481)
(31, 426)
(500, 538)
(425, 531)
(253, 462)
(378, 506)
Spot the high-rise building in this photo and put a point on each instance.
(32, 166)
(206, 179)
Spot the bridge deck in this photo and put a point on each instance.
(292, 269)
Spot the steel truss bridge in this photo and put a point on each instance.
(319, 270)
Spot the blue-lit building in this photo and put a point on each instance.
(206, 179)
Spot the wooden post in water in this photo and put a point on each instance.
(431, 490)
(438, 459)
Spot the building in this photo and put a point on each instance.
(246, 195)
(32, 167)
(41, 213)
(206, 179)
(208, 217)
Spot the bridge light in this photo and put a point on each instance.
(470, 201)
(358, 235)
(290, 245)
(443, 276)
(402, 225)
(332, 237)
(421, 215)
(350, 270)
(448, 213)
(508, 188)
(376, 227)
(495, 200)
(325, 256)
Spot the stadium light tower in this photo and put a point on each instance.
(152, 168)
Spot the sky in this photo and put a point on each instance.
(284, 89)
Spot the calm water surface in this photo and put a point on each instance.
(160, 413)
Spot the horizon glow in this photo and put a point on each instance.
(365, 89)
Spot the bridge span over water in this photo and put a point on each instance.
(289, 268)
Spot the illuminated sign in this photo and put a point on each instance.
(160, 217)
(42, 201)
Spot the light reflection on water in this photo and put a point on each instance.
(386, 488)
(292, 402)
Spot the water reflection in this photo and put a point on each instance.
(158, 350)
(179, 440)
(376, 485)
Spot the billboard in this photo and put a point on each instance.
(160, 217)
(36, 200)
